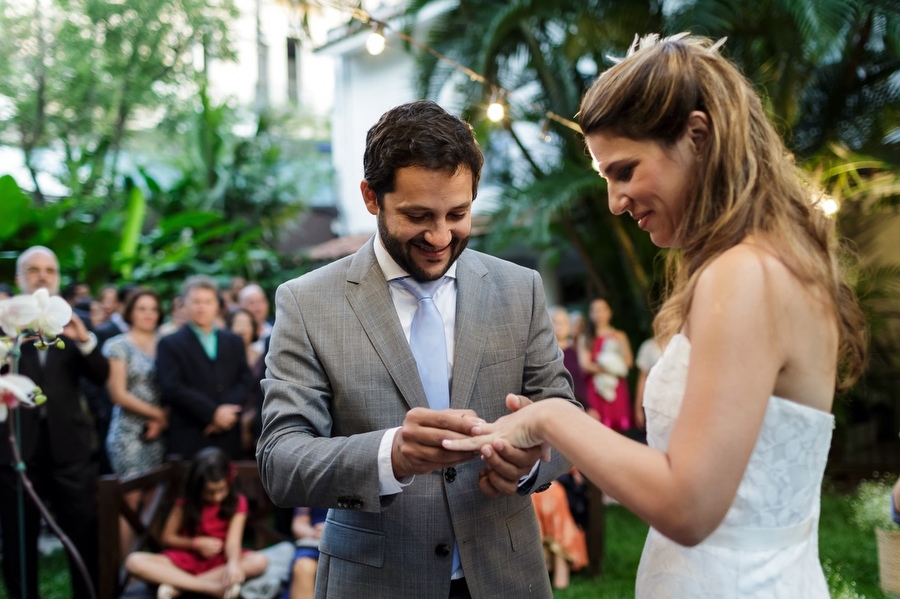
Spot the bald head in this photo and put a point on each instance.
(253, 299)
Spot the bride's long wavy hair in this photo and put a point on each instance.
(746, 180)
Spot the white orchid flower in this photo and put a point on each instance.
(16, 389)
(55, 314)
(16, 313)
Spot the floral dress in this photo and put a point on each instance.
(129, 453)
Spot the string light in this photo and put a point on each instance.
(829, 206)
(375, 42)
(496, 111)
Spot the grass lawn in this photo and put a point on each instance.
(848, 556)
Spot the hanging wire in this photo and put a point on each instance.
(381, 26)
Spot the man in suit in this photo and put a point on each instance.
(203, 376)
(346, 419)
(55, 441)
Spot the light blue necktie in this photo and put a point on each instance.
(427, 342)
(429, 346)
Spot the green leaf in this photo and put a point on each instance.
(17, 208)
(134, 222)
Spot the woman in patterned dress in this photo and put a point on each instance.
(135, 441)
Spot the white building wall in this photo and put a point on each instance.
(238, 79)
(365, 88)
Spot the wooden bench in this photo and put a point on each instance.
(148, 520)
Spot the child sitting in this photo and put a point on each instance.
(307, 527)
(203, 536)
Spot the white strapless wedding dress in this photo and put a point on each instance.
(768, 545)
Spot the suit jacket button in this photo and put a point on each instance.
(450, 474)
(442, 550)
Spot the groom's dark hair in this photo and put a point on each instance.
(423, 134)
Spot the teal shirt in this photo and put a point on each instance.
(209, 341)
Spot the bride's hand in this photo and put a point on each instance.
(518, 429)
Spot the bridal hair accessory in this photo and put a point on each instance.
(652, 39)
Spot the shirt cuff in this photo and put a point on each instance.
(388, 484)
(527, 481)
(86, 347)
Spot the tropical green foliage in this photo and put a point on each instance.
(226, 197)
(543, 54)
(78, 72)
(829, 71)
(109, 98)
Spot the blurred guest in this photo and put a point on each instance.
(135, 441)
(97, 396)
(241, 323)
(577, 324)
(6, 291)
(234, 289)
(306, 526)
(55, 443)
(115, 322)
(564, 544)
(109, 300)
(648, 353)
(203, 376)
(563, 330)
(605, 357)
(76, 293)
(96, 314)
(253, 299)
(176, 319)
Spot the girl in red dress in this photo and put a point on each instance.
(203, 536)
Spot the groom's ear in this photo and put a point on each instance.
(369, 197)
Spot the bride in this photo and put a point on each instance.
(759, 329)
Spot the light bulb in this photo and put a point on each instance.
(496, 112)
(829, 206)
(375, 43)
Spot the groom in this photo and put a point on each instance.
(347, 422)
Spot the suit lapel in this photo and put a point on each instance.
(370, 299)
(473, 296)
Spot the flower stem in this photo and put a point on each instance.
(25, 483)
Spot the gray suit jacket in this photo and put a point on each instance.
(340, 372)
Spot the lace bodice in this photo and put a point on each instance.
(767, 545)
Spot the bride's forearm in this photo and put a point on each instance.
(638, 476)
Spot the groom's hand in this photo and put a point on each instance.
(505, 464)
(417, 445)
